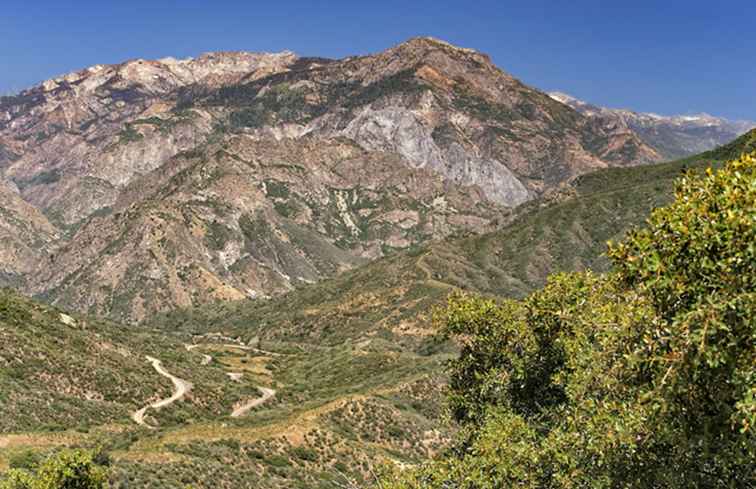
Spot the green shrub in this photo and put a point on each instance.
(218, 234)
(305, 453)
(277, 461)
(129, 135)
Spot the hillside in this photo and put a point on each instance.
(392, 297)
(292, 413)
(671, 136)
(61, 372)
(180, 182)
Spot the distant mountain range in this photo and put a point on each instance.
(672, 136)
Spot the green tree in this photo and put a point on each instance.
(69, 469)
(17, 479)
(643, 378)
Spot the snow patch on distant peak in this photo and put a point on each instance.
(563, 97)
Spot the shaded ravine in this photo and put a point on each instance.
(181, 387)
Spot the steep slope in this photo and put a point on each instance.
(671, 136)
(175, 183)
(69, 137)
(735, 148)
(224, 224)
(442, 107)
(60, 372)
(24, 233)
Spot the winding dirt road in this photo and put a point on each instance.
(206, 359)
(423, 266)
(267, 393)
(181, 387)
(244, 408)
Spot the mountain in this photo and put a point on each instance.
(179, 182)
(24, 233)
(671, 136)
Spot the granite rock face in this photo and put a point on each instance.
(401, 131)
(139, 187)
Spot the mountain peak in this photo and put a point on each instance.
(268, 170)
(170, 72)
(564, 98)
(426, 49)
(429, 41)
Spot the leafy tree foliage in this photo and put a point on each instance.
(642, 378)
(69, 469)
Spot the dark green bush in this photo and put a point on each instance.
(26, 459)
(305, 453)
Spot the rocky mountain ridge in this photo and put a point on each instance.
(675, 136)
(172, 183)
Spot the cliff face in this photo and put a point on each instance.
(153, 184)
(24, 233)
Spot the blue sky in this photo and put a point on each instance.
(666, 56)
